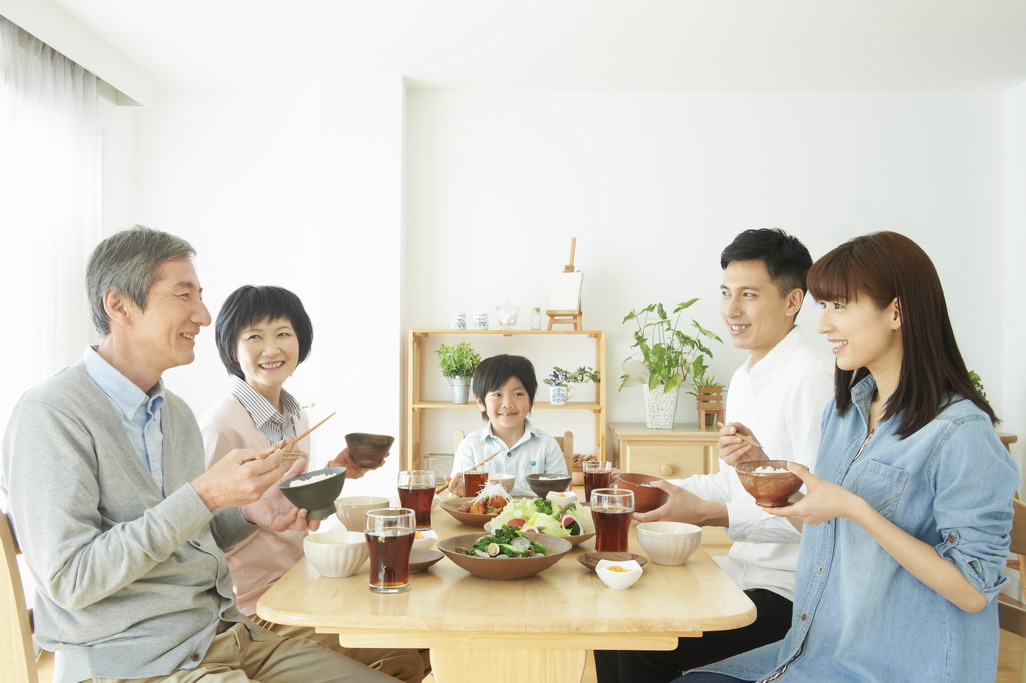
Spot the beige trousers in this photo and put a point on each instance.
(406, 665)
(234, 658)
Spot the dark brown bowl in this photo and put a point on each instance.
(421, 559)
(591, 560)
(646, 497)
(509, 568)
(542, 484)
(770, 489)
(319, 497)
(368, 450)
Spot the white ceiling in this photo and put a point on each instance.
(576, 44)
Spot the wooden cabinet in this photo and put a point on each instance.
(674, 453)
(422, 401)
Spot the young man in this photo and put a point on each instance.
(778, 395)
(123, 530)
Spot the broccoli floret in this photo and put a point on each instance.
(543, 506)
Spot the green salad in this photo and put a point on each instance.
(536, 514)
(506, 541)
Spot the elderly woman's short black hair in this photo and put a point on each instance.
(249, 305)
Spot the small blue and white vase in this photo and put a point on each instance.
(557, 396)
(459, 320)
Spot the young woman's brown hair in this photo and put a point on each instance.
(885, 266)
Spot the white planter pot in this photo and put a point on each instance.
(660, 407)
(460, 389)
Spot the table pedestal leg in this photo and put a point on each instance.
(452, 665)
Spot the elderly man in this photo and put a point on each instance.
(123, 529)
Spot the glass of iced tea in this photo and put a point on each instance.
(597, 475)
(611, 511)
(473, 482)
(389, 538)
(417, 492)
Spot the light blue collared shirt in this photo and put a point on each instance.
(139, 411)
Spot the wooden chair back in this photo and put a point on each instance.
(17, 661)
(1012, 613)
(566, 444)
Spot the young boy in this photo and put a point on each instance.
(504, 388)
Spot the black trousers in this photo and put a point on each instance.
(772, 620)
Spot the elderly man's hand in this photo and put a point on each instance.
(274, 511)
(240, 477)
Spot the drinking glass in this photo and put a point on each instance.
(473, 482)
(611, 511)
(417, 492)
(597, 475)
(389, 539)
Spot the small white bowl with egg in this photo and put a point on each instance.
(618, 575)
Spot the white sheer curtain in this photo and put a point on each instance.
(50, 182)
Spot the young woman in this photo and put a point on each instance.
(263, 334)
(908, 515)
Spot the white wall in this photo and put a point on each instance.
(296, 186)
(1014, 312)
(654, 185)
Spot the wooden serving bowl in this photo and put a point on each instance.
(509, 568)
(646, 497)
(770, 489)
(451, 505)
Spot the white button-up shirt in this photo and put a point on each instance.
(535, 453)
(781, 399)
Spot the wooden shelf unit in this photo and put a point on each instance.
(416, 404)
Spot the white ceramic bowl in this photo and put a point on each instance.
(618, 575)
(505, 479)
(427, 539)
(669, 543)
(337, 553)
(352, 510)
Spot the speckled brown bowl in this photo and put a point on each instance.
(646, 496)
(770, 489)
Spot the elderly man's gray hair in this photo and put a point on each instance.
(128, 262)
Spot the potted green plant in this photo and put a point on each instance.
(978, 383)
(560, 382)
(458, 363)
(667, 356)
(708, 394)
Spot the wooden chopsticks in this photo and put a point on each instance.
(292, 456)
(741, 436)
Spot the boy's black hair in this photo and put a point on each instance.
(786, 258)
(493, 372)
(249, 305)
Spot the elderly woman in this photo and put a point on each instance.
(263, 334)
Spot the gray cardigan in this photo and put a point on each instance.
(131, 579)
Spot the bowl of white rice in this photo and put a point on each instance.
(769, 481)
(316, 491)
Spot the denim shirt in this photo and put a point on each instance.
(858, 614)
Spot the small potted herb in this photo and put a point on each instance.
(458, 363)
(560, 380)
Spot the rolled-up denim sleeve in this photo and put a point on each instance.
(975, 479)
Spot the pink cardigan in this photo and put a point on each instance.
(261, 559)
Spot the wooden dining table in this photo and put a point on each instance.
(540, 628)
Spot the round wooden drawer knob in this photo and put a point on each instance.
(666, 470)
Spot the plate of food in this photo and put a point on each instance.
(571, 521)
(480, 509)
(505, 554)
